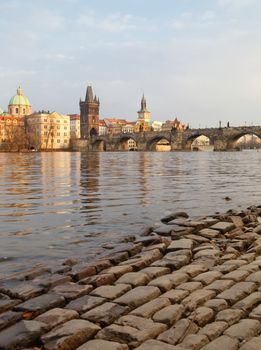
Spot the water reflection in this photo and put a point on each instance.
(53, 205)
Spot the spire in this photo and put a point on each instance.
(143, 104)
(89, 94)
(19, 91)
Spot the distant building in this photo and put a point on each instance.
(143, 122)
(75, 127)
(173, 125)
(48, 130)
(10, 129)
(114, 126)
(19, 104)
(89, 114)
(156, 125)
(103, 130)
(129, 127)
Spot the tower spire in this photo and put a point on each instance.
(89, 94)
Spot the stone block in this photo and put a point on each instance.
(21, 334)
(85, 303)
(256, 313)
(255, 277)
(20, 290)
(153, 344)
(236, 275)
(244, 330)
(175, 295)
(69, 335)
(202, 315)
(169, 314)
(237, 292)
(223, 342)
(135, 279)
(82, 271)
(7, 304)
(138, 296)
(51, 280)
(41, 304)
(197, 298)
(105, 314)
(216, 304)
(194, 270)
(148, 310)
(220, 285)
(209, 233)
(98, 344)
(253, 344)
(131, 330)
(190, 286)
(56, 316)
(194, 341)
(167, 282)
(71, 290)
(174, 262)
(230, 316)
(178, 332)
(213, 330)
(99, 280)
(118, 271)
(248, 303)
(223, 226)
(154, 271)
(208, 277)
(8, 318)
(180, 244)
(111, 292)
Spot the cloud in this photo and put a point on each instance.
(115, 22)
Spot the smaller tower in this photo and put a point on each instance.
(143, 122)
(19, 104)
(89, 114)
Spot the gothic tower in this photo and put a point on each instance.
(143, 122)
(89, 115)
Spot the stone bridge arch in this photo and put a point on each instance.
(232, 140)
(152, 143)
(127, 142)
(192, 138)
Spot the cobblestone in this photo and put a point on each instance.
(198, 289)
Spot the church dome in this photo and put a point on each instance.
(19, 99)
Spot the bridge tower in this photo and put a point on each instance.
(89, 114)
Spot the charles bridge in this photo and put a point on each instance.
(221, 139)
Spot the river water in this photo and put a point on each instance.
(62, 204)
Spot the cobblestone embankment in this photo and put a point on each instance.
(188, 285)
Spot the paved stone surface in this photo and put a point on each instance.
(197, 289)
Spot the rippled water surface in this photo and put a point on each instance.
(55, 205)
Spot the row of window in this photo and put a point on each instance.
(57, 141)
(57, 121)
(57, 127)
(57, 134)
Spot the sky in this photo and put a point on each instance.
(197, 60)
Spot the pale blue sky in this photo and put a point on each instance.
(199, 60)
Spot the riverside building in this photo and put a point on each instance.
(48, 131)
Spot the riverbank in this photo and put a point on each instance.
(187, 284)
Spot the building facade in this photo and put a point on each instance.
(89, 115)
(173, 125)
(75, 127)
(19, 105)
(48, 131)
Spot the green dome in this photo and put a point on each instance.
(19, 99)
